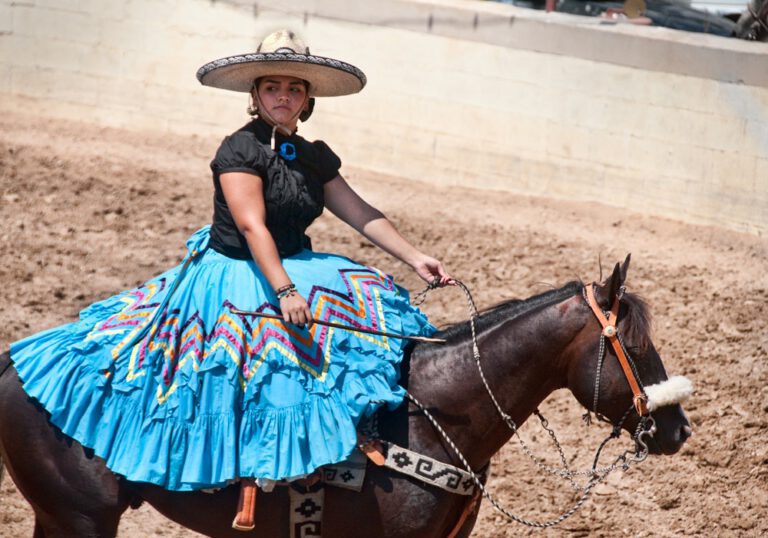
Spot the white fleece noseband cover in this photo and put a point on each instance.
(674, 390)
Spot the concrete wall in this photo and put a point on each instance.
(460, 92)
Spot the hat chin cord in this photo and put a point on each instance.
(276, 127)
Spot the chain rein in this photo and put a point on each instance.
(595, 474)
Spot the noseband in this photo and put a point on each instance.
(611, 332)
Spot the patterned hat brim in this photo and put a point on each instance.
(327, 77)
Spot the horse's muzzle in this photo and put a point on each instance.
(673, 430)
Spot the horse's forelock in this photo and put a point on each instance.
(638, 323)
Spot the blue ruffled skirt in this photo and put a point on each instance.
(169, 386)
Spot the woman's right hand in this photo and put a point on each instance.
(295, 309)
(431, 269)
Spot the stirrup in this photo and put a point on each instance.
(246, 506)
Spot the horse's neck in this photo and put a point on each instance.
(523, 362)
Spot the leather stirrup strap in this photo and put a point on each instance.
(371, 448)
(246, 506)
(469, 506)
(639, 399)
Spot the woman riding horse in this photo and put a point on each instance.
(176, 390)
(529, 349)
(169, 384)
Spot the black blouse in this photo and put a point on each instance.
(292, 178)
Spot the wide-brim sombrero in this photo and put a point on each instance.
(282, 53)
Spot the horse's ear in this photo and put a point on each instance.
(614, 283)
(607, 293)
(618, 278)
(625, 268)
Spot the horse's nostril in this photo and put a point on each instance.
(686, 431)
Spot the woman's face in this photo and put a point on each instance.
(283, 97)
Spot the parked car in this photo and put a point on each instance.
(730, 9)
(668, 13)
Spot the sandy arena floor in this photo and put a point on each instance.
(87, 211)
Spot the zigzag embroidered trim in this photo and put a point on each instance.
(186, 342)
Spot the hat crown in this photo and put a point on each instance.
(283, 42)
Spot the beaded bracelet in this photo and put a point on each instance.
(286, 287)
(285, 291)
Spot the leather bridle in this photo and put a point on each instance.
(611, 332)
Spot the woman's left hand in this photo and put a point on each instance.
(430, 269)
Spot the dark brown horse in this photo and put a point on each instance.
(529, 349)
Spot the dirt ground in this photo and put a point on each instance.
(87, 211)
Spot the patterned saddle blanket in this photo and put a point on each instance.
(350, 474)
(306, 510)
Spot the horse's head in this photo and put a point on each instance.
(626, 389)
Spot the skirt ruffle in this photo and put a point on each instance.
(170, 386)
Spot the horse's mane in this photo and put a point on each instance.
(637, 327)
(510, 309)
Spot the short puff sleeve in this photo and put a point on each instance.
(328, 163)
(241, 152)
